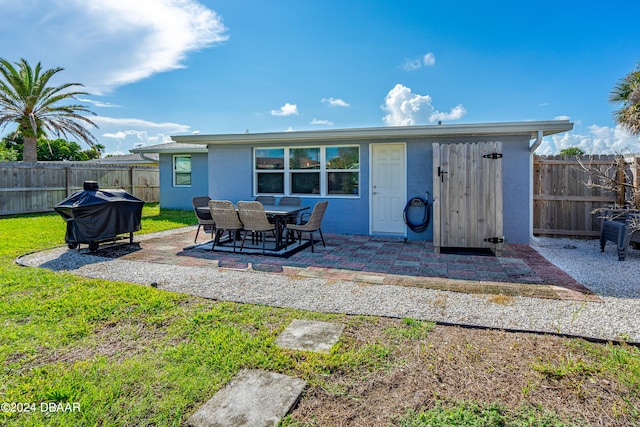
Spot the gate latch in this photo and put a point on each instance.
(493, 156)
(441, 173)
(494, 240)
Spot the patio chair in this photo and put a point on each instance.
(314, 223)
(255, 220)
(204, 218)
(223, 212)
(266, 200)
(291, 201)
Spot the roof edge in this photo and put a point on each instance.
(171, 148)
(530, 128)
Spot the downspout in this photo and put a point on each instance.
(147, 158)
(532, 150)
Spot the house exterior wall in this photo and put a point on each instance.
(230, 177)
(515, 181)
(227, 173)
(172, 197)
(234, 182)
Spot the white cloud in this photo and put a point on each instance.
(598, 140)
(429, 59)
(405, 108)
(426, 60)
(102, 121)
(109, 43)
(335, 102)
(456, 113)
(286, 110)
(321, 122)
(122, 134)
(98, 103)
(412, 64)
(561, 118)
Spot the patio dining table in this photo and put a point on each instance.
(279, 213)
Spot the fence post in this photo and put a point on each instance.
(620, 180)
(67, 185)
(636, 181)
(133, 185)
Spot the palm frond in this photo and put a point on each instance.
(26, 96)
(627, 93)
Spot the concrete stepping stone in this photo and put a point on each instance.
(252, 398)
(310, 335)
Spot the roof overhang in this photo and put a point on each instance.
(530, 129)
(171, 148)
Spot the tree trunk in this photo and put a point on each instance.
(30, 150)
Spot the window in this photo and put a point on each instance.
(269, 164)
(182, 171)
(330, 170)
(304, 167)
(343, 164)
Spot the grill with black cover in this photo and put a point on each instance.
(93, 215)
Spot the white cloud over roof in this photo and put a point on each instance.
(286, 110)
(124, 133)
(335, 102)
(321, 122)
(405, 108)
(426, 60)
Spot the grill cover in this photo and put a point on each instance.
(93, 214)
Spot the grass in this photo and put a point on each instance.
(470, 414)
(135, 355)
(128, 354)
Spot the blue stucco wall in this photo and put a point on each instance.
(231, 178)
(227, 173)
(419, 182)
(180, 197)
(516, 189)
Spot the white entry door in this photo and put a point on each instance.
(388, 189)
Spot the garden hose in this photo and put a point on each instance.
(418, 203)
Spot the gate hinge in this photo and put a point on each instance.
(494, 240)
(493, 156)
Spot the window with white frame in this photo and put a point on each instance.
(322, 171)
(181, 171)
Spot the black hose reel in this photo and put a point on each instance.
(424, 207)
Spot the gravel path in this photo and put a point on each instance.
(616, 282)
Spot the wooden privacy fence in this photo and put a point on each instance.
(562, 201)
(38, 187)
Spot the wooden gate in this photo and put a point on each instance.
(467, 190)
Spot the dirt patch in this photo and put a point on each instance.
(452, 364)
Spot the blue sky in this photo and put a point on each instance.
(157, 68)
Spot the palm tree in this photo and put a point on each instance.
(25, 99)
(627, 92)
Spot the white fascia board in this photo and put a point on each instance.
(482, 129)
(171, 148)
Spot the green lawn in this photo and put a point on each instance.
(123, 354)
(127, 354)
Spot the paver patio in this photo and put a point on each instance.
(520, 270)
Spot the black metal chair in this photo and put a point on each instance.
(266, 200)
(204, 217)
